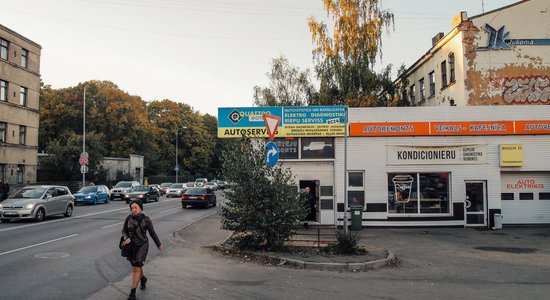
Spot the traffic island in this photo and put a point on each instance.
(314, 258)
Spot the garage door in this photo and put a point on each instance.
(525, 197)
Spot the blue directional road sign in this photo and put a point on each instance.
(271, 154)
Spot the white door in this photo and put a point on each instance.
(475, 206)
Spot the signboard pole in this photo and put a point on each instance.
(346, 173)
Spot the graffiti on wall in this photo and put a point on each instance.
(525, 89)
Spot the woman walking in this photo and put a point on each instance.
(134, 232)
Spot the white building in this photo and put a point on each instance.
(501, 57)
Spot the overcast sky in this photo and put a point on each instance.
(206, 53)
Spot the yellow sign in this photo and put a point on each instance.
(257, 132)
(511, 155)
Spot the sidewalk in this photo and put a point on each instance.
(166, 272)
(437, 263)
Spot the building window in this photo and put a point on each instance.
(356, 188)
(24, 58)
(452, 68)
(3, 130)
(526, 196)
(317, 147)
(2, 171)
(507, 196)
(412, 94)
(443, 73)
(418, 193)
(3, 90)
(19, 175)
(23, 96)
(288, 148)
(4, 49)
(422, 90)
(432, 83)
(22, 134)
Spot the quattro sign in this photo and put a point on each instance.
(296, 121)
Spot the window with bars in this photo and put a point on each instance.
(451, 68)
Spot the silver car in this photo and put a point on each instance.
(176, 190)
(37, 202)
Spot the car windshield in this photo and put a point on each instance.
(31, 192)
(200, 180)
(123, 185)
(88, 189)
(196, 191)
(166, 184)
(177, 185)
(140, 188)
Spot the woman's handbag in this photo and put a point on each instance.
(124, 249)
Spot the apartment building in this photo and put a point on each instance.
(501, 57)
(19, 107)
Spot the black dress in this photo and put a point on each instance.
(135, 228)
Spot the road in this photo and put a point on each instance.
(72, 258)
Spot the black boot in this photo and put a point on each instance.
(132, 295)
(143, 281)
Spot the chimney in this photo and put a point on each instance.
(459, 18)
(437, 38)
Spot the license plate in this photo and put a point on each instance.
(192, 197)
(11, 213)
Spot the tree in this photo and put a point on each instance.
(288, 86)
(345, 59)
(264, 205)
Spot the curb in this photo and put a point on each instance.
(364, 266)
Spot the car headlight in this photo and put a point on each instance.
(88, 197)
(1, 206)
(29, 206)
(140, 196)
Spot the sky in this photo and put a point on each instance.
(205, 53)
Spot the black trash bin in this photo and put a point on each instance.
(356, 217)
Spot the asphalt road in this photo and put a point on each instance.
(72, 258)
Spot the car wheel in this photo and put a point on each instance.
(39, 217)
(107, 200)
(68, 211)
(95, 201)
(112, 198)
(147, 199)
(127, 201)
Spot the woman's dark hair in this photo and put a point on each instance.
(138, 202)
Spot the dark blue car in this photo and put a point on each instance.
(92, 195)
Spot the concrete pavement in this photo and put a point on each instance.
(437, 263)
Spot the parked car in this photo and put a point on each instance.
(199, 182)
(164, 187)
(145, 193)
(121, 188)
(176, 190)
(198, 196)
(92, 195)
(212, 185)
(37, 202)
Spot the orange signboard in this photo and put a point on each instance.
(389, 129)
(533, 127)
(472, 128)
(449, 128)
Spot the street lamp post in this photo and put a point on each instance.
(177, 167)
(84, 130)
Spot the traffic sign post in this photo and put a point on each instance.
(84, 169)
(271, 154)
(271, 122)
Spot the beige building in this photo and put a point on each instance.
(501, 57)
(19, 109)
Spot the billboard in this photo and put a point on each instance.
(296, 121)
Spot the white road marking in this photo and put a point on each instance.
(39, 244)
(116, 224)
(168, 210)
